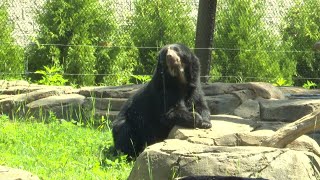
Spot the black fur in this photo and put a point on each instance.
(148, 116)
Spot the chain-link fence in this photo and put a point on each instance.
(253, 41)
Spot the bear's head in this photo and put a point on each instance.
(178, 61)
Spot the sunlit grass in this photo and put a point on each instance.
(59, 150)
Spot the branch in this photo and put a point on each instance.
(292, 131)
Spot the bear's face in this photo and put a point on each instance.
(176, 60)
(175, 64)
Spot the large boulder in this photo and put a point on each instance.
(232, 147)
(287, 110)
(16, 103)
(64, 106)
(177, 158)
(240, 99)
(253, 89)
(223, 104)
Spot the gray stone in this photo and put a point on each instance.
(112, 104)
(259, 89)
(223, 104)
(109, 92)
(15, 104)
(13, 90)
(298, 90)
(178, 158)
(52, 101)
(103, 115)
(7, 173)
(249, 109)
(67, 107)
(287, 110)
(5, 96)
(17, 83)
(221, 125)
(230, 130)
(244, 95)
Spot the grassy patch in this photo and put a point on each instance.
(59, 150)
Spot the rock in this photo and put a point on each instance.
(178, 158)
(298, 90)
(287, 110)
(112, 104)
(230, 130)
(249, 109)
(3, 84)
(17, 83)
(109, 92)
(230, 148)
(18, 90)
(101, 115)
(244, 95)
(222, 104)
(7, 173)
(265, 90)
(5, 96)
(53, 101)
(16, 103)
(221, 125)
(259, 89)
(65, 106)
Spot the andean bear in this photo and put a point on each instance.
(173, 97)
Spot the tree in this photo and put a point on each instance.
(246, 48)
(83, 38)
(301, 30)
(156, 23)
(204, 34)
(11, 55)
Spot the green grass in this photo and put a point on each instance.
(59, 150)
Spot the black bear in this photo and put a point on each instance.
(173, 97)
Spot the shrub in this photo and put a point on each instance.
(78, 36)
(11, 55)
(159, 22)
(246, 49)
(301, 30)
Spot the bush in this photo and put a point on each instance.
(11, 55)
(159, 22)
(247, 50)
(301, 31)
(76, 35)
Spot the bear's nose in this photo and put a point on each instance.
(169, 55)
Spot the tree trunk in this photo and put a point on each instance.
(204, 35)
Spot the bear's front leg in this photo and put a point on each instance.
(179, 115)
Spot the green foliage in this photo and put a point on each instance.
(246, 48)
(159, 22)
(76, 35)
(59, 150)
(141, 78)
(11, 55)
(52, 76)
(281, 82)
(309, 85)
(301, 29)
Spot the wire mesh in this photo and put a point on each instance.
(21, 13)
